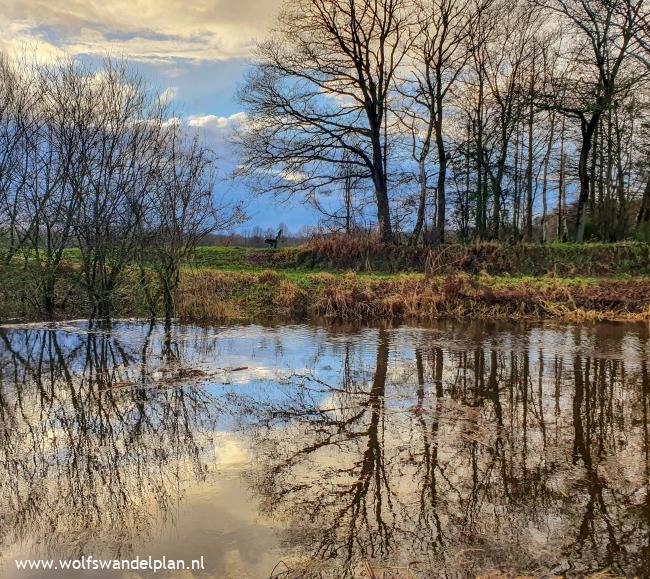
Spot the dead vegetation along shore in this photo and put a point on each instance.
(228, 296)
(561, 259)
(495, 281)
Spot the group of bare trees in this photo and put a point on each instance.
(488, 119)
(93, 160)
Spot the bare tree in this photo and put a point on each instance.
(508, 64)
(319, 97)
(117, 173)
(62, 127)
(16, 127)
(604, 33)
(93, 158)
(439, 52)
(642, 38)
(184, 211)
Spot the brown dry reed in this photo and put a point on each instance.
(225, 296)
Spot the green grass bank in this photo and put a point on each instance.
(359, 280)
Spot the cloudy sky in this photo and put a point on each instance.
(197, 50)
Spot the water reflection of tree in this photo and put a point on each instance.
(467, 461)
(90, 453)
(358, 497)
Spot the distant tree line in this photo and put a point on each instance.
(255, 236)
(93, 159)
(518, 120)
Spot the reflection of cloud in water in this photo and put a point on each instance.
(245, 375)
(508, 459)
(467, 447)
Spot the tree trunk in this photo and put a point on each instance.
(496, 206)
(561, 213)
(170, 278)
(48, 296)
(516, 200)
(422, 181)
(547, 157)
(529, 164)
(643, 216)
(441, 217)
(600, 212)
(383, 213)
(104, 305)
(381, 187)
(480, 224)
(468, 172)
(348, 204)
(481, 202)
(168, 304)
(587, 129)
(622, 214)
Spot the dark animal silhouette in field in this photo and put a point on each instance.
(273, 242)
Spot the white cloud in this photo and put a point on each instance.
(216, 132)
(18, 37)
(215, 123)
(149, 30)
(169, 94)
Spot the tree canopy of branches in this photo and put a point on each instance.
(94, 160)
(479, 119)
(319, 97)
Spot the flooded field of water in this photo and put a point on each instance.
(460, 449)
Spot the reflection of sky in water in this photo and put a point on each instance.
(247, 360)
(181, 418)
(270, 351)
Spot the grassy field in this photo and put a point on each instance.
(367, 256)
(368, 282)
(291, 262)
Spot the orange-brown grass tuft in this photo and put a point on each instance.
(460, 296)
(290, 299)
(208, 295)
(269, 276)
(225, 296)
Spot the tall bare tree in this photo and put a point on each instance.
(319, 97)
(603, 32)
(440, 53)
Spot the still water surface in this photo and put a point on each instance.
(304, 451)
